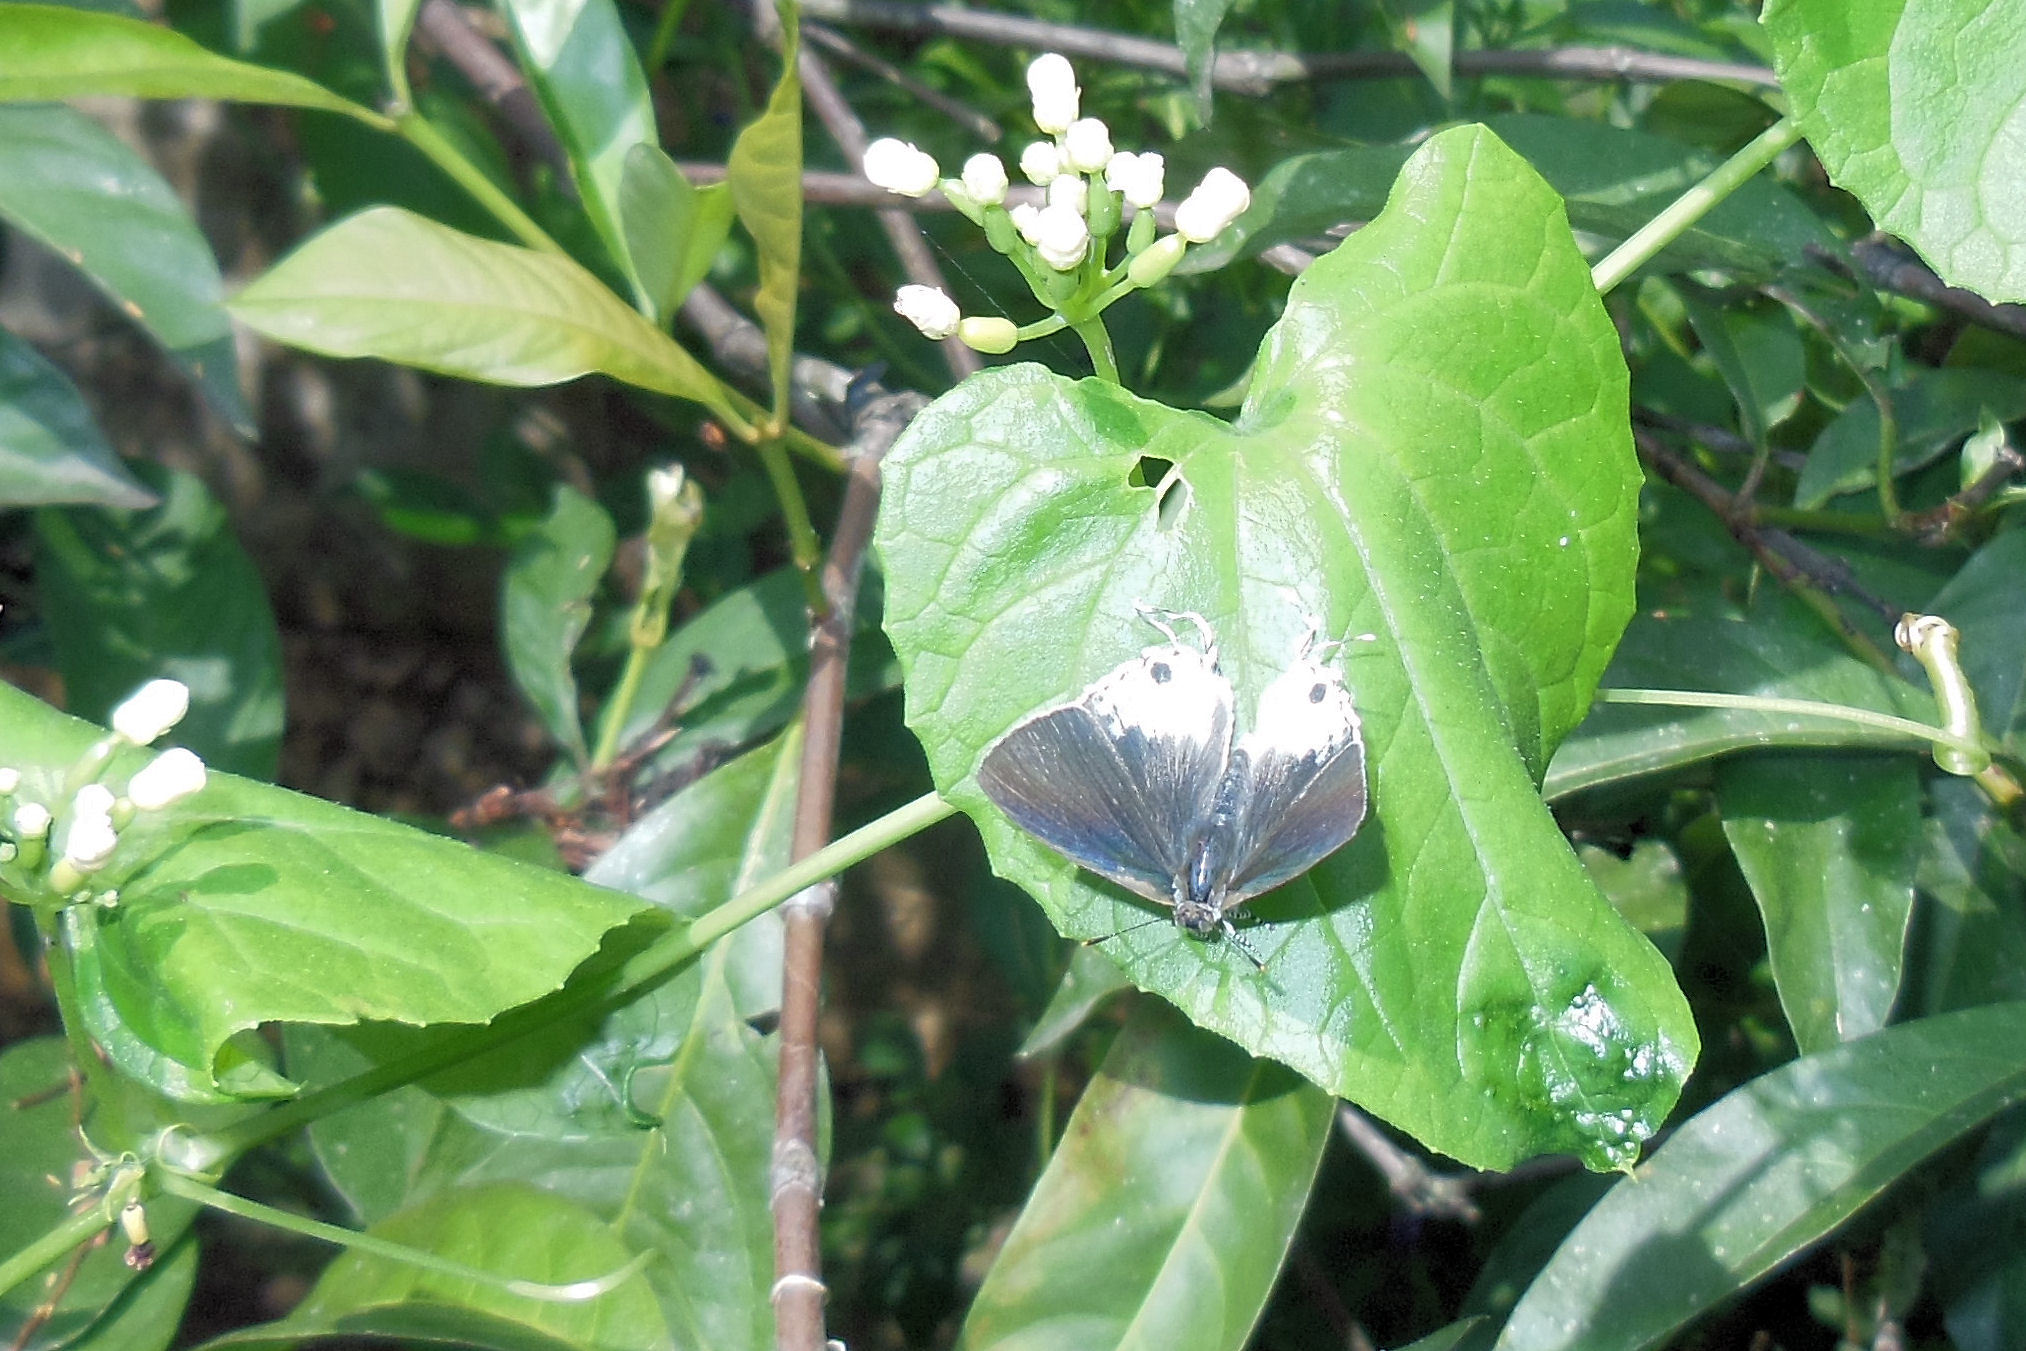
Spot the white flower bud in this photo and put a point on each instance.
(664, 487)
(152, 710)
(1040, 162)
(88, 841)
(10, 779)
(1027, 220)
(1053, 86)
(988, 333)
(1140, 177)
(900, 168)
(1070, 191)
(928, 309)
(170, 777)
(985, 179)
(1217, 201)
(94, 799)
(1061, 237)
(1087, 145)
(31, 820)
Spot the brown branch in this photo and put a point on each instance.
(844, 49)
(444, 26)
(1885, 265)
(796, 1188)
(1259, 73)
(1413, 1183)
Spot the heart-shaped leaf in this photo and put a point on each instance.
(1434, 450)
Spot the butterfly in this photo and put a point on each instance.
(1144, 779)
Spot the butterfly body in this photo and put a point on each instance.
(1144, 779)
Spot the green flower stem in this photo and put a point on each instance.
(569, 1292)
(803, 546)
(1692, 205)
(1810, 708)
(417, 130)
(70, 1009)
(1097, 342)
(1041, 328)
(645, 968)
(620, 705)
(51, 1248)
(663, 41)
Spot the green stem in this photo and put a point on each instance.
(1041, 328)
(642, 970)
(620, 705)
(564, 1293)
(70, 1009)
(664, 34)
(1097, 342)
(803, 546)
(1692, 205)
(51, 1248)
(416, 129)
(1754, 703)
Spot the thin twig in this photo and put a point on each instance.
(844, 49)
(1420, 1188)
(443, 25)
(1258, 72)
(1885, 265)
(796, 1184)
(1941, 523)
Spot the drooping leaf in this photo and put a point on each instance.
(1911, 106)
(165, 591)
(390, 284)
(1829, 844)
(1434, 451)
(1196, 25)
(70, 183)
(673, 230)
(545, 604)
(583, 69)
(51, 450)
(1758, 353)
(765, 175)
(1766, 1171)
(1164, 1215)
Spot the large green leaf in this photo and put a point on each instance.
(511, 1230)
(545, 605)
(1913, 106)
(582, 67)
(248, 904)
(1434, 450)
(60, 52)
(1828, 844)
(765, 174)
(165, 591)
(1768, 1170)
(73, 185)
(1164, 1215)
(654, 1117)
(50, 448)
(391, 284)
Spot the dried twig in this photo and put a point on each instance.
(796, 1186)
(1421, 1189)
(844, 49)
(1886, 265)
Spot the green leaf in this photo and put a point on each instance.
(512, 1230)
(1776, 649)
(1089, 981)
(1828, 844)
(38, 1120)
(545, 605)
(1976, 1242)
(1468, 496)
(1646, 888)
(166, 591)
(1196, 25)
(1982, 601)
(1911, 105)
(248, 904)
(1933, 411)
(1771, 1168)
(1757, 352)
(648, 1117)
(583, 69)
(1165, 1213)
(57, 52)
(764, 171)
(396, 20)
(68, 182)
(1614, 180)
(673, 230)
(1973, 869)
(390, 284)
(51, 449)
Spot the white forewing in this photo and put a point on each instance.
(1303, 763)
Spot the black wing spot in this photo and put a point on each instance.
(1160, 672)
(1317, 692)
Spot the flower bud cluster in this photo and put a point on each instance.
(1090, 189)
(77, 838)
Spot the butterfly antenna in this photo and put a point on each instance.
(1231, 935)
(1115, 933)
(1154, 615)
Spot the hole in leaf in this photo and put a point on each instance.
(1151, 471)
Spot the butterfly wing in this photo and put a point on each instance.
(1116, 780)
(1301, 770)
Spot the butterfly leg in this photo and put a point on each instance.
(1153, 615)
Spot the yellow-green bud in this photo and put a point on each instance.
(988, 333)
(1155, 261)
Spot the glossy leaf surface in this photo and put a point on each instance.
(1913, 107)
(1162, 1218)
(50, 448)
(1766, 1171)
(1433, 451)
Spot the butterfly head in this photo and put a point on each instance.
(1204, 919)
